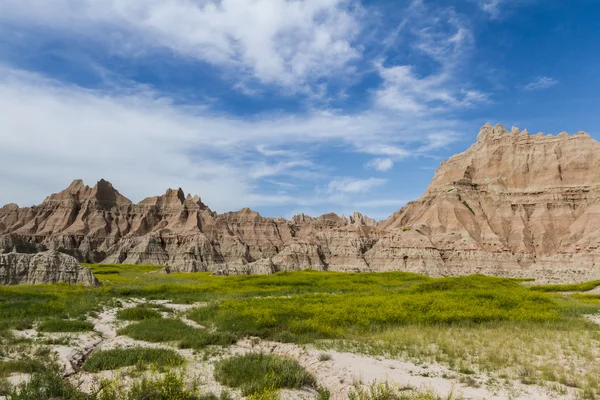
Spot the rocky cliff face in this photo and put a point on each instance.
(513, 204)
(100, 225)
(46, 267)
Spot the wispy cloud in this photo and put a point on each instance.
(445, 39)
(51, 131)
(281, 42)
(492, 7)
(350, 185)
(498, 9)
(144, 141)
(541, 82)
(381, 164)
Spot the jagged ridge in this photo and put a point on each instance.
(513, 204)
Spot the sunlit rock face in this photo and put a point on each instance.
(42, 268)
(513, 204)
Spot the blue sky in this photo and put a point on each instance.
(284, 106)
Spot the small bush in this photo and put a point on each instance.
(118, 358)
(62, 325)
(256, 373)
(324, 357)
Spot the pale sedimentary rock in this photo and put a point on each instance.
(47, 267)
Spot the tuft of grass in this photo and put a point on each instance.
(201, 338)
(158, 330)
(61, 325)
(175, 330)
(124, 357)
(387, 391)
(23, 365)
(324, 357)
(257, 373)
(47, 384)
(138, 314)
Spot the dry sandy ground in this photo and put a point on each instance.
(339, 374)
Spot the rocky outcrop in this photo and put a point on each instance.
(47, 267)
(513, 204)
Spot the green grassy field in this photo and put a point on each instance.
(475, 323)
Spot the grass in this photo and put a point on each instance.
(308, 317)
(387, 391)
(158, 330)
(473, 323)
(138, 313)
(140, 356)
(175, 330)
(169, 386)
(575, 287)
(534, 353)
(47, 384)
(257, 373)
(61, 325)
(23, 365)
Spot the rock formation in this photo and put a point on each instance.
(513, 204)
(47, 267)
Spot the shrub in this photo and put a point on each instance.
(118, 358)
(256, 373)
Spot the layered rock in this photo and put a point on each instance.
(97, 224)
(513, 204)
(47, 267)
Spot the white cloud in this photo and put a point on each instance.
(282, 42)
(541, 82)
(350, 185)
(140, 140)
(492, 7)
(52, 132)
(381, 164)
(445, 39)
(497, 9)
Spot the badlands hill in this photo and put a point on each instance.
(513, 204)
